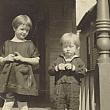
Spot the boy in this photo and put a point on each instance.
(68, 68)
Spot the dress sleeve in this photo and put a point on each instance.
(34, 50)
(2, 50)
(2, 54)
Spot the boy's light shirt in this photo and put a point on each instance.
(70, 59)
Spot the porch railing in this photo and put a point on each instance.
(87, 93)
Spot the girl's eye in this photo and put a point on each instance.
(25, 30)
(22, 29)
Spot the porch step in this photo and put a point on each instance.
(32, 109)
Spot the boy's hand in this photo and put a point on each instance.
(69, 66)
(61, 66)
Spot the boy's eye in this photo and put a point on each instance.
(72, 46)
(68, 46)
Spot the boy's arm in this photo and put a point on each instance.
(80, 69)
(57, 66)
(54, 67)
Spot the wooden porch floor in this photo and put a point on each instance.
(32, 108)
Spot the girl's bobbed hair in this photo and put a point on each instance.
(21, 20)
(70, 37)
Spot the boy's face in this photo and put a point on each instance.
(22, 31)
(69, 49)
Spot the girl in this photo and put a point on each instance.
(18, 56)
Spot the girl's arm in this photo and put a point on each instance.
(32, 61)
(2, 60)
(10, 57)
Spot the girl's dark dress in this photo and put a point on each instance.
(18, 77)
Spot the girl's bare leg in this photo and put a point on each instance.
(8, 105)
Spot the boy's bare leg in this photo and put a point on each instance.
(22, 105)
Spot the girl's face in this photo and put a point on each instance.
(22, 31)
(69, 49)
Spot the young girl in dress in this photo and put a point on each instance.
(18, 56)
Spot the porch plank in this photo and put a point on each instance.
(32, 109)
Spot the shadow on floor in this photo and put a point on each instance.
(35, 102)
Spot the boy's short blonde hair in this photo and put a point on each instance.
(70, 37)
(21, 19)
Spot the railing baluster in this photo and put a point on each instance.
(87, 98)
(87, 92)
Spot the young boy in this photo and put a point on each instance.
(68, 68)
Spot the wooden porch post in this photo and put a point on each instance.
(103, 65)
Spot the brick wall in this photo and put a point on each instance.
(61, 20)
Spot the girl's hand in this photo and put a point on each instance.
(10, 57)
(18, 56)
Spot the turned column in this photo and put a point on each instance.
(103, 61)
